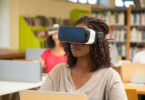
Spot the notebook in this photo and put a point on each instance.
(134, 73)
(44, 95)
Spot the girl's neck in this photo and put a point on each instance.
(83, 63)
(58, 50)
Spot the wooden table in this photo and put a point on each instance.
(9, 87)
(140, 89)
(11, 54)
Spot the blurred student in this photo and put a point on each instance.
(139, 58)
(54, 54)
(88, 69)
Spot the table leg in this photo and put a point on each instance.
(5, 97)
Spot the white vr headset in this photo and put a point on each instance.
(79, 35)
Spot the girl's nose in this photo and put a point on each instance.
(74, 44)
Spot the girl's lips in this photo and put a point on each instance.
(73, 49)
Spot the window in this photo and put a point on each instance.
(92, 2)
(74, 1)
(123, 3)
(127, 3)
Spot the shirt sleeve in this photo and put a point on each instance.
(52, 79)
(43, 55)
(117, 91)
(47, 84)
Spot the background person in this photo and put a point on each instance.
(139, 58)
(54, 54)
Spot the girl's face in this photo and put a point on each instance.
(55, 36)
(79, 50)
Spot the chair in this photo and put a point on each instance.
(20, 71)
(34, 53)
(131, 94)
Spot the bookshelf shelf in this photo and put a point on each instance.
(123, 42)
(117, 27)
(123, 26)
(39, 28)
(138, 26)
(118, 42)
(108, 9)
(138, 9)
(137, 42)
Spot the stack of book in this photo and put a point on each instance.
(111, 18)
(138, 19)
(137, 35)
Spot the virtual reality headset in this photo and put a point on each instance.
(54, 29)
(79, 35)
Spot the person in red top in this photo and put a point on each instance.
(54, 54)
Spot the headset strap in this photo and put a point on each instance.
(100, 35)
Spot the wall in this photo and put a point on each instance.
(4, 23)
(14, 24)
(9, 35)
(53, 8)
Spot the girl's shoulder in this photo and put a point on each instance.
(111, 72)
(113, 75)
(108, 74)
(59, 69)
(47, 50)
(61, 66)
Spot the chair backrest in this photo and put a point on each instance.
(134, 73)
(114, 54)
(131, 94)
(20, 71)
(34, 53)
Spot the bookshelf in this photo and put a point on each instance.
(137, 30)
(127, 28)
(34, 30)
(116, 19)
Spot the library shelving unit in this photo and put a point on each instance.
(116, 19)
(137, 30)
(127, 28)
(33, 31)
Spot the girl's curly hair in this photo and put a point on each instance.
(50, 42)
(100, 54)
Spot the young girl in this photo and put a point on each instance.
(88, 69)
(54, 54)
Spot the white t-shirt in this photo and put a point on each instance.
(139, 58)
(104, 84)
